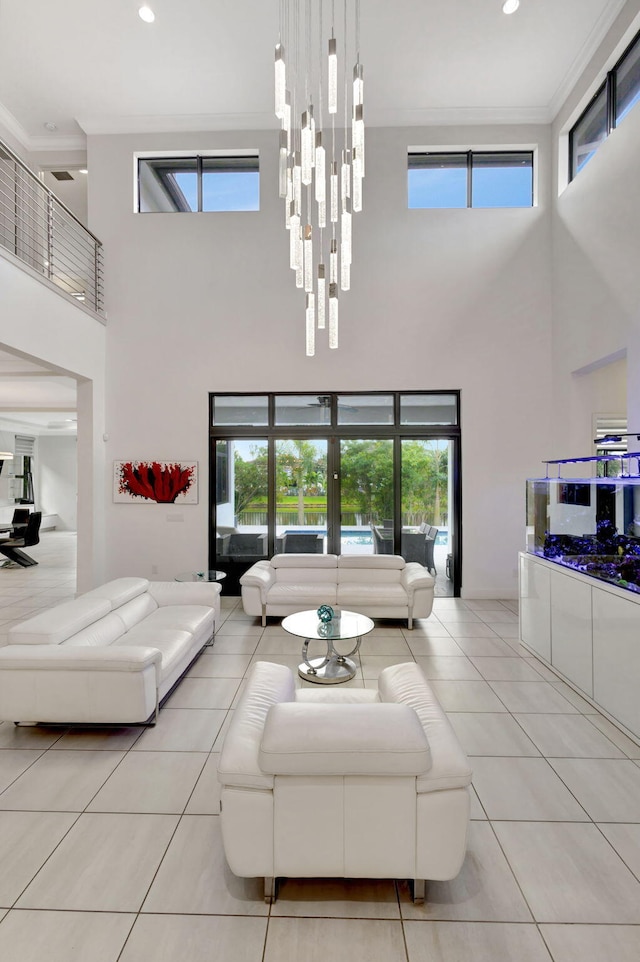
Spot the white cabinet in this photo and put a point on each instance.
(616, 658)
(535, 607)
(571, 631)
(589, 632)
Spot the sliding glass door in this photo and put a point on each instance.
(241, 495)
(352, 474)
(301, 495)
(366, 490)
(427, 504)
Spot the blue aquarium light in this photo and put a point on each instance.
(596, 459)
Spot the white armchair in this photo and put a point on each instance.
(376, 777)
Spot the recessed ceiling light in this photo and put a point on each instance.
(50, 126)
(510, 6)
(146, 13)
(83, 170)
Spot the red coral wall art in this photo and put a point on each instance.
(162, 482)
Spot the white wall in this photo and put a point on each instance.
(42, 325)
(505, 305)
(58, 473)
(596, 249)
(440, 299)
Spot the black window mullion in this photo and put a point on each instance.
(533, 182)
(334, 519)
(469, 178)
(271, 496)
(611, 102)
(199, 170)
(570, 158)
(397, 495)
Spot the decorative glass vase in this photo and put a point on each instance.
(325, 613)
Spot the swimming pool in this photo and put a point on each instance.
(360, 536)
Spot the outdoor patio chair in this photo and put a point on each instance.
(430, 542)
(244, 546)
(382, 542)
(418, 546)
(300, 542)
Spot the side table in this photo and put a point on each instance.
(334, 667)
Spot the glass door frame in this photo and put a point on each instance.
(334, 432)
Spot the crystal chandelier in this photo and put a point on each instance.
(321, 163)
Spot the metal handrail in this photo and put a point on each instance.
(68, 254)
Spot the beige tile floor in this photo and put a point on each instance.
(110, 846)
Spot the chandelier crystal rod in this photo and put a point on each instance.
(320, 170)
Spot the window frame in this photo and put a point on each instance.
(228, 160)
(397, 431)
(25, 490)
(610, 86)
(449, 152)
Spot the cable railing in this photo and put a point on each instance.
(38, 229)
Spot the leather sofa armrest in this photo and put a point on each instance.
(415, 576)
(206, 593)
(343, 739)
(76, 658)
(238, 766)
(405, 684)
(261, 575)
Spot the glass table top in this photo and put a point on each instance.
(201, 576)
(346, 624)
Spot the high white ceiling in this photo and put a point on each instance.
(94, 66)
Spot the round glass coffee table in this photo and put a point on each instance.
(334, 667)
(201, 576)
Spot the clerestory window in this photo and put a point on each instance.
(197, 184)
(471, 178)
(607, 109)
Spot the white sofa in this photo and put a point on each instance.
(353, 783)
(381, 586)
(109, 656)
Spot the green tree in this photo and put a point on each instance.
(366, 473)
(424, 482)
(302, 465)
(250, 478)
(440, 468)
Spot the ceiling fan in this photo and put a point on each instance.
(324, 401)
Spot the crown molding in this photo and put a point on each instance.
(458, 116)
(601, 28)
(37, 407)
(175, 123)
(13, 127)
(402, 117)
(50, 141)
(190, 123)
(53, 143)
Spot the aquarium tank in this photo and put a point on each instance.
(591, 525)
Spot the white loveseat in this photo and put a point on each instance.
(381, 586)
(353, 783)
(109, 656)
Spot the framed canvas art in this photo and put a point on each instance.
(159, 482)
